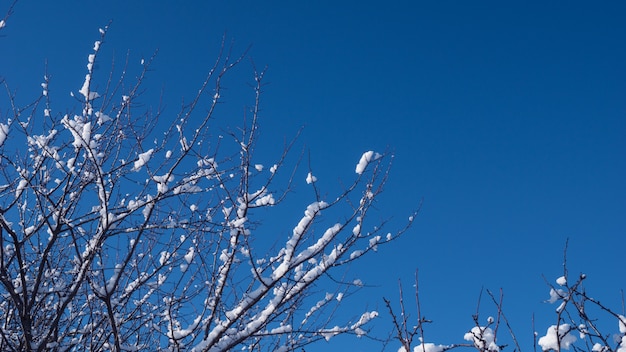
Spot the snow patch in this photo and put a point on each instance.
(483, 338)
(4, 132)
(142, 159)
(310, 178)
(551, 340)
(366, 158)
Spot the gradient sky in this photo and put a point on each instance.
(507, 118)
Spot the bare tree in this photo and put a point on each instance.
(583, 323)
(123, 230)
(580, 316)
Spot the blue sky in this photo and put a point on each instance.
(507, 119)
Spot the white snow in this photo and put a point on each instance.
(114, 278)
(102, 118)
(329, 333)
(20, 188)
(162, 182)
(165, 256)
(425, 347)
(86, 132)
(4, 131)
(483, 338)
(265, 200)
(550, 341)
(178, 333)
(366, 158)
(356, 254)
(142, 159)
(622, 324)
(597, 348)
(2, 23)
(310, 178)
(258, 167)
(273, 168)
(374, 242)
(84, 90)
(555, 295)
(428, 347)
(189, 255)
(622, 345)
(365, 318)
(81, 131)
(148, 207)
(561, 281)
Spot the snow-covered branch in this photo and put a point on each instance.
(128, 230)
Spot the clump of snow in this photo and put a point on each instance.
(598, 348)
(4, 132)
(2, 23)
(258, 167)
(561, 281)
(551, 340)
(483, 338)
(273, 168)
(425, 347)
(142, 159)
(356, 254)
(622, 324)
(20, 188)
(189, 255)
(310, 178)
(84, 90)
(365, 318)
(366, 158)
(556, 295)
(429, 347)
(102, 118)
(265, 200)
(329, 333)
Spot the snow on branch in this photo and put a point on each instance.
(581, 324)
(122, 231)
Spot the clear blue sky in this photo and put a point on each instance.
(508, 119)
